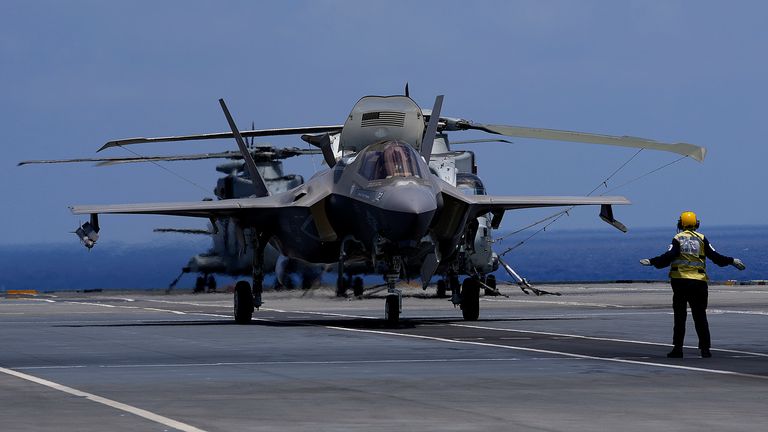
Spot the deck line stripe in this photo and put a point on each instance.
(566, 335)
(157, 418)
(550, 352)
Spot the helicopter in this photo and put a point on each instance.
(228, 254)
(377, 202)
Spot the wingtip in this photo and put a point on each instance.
(701, 154)
(127, 141)
(693, 151)
(107, 145)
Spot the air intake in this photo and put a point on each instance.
(383, 118)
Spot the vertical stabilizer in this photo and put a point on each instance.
(429, 134)
(260, 188)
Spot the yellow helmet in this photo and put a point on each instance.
(688, 219)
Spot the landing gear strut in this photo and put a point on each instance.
(247, 297)
(490, 282)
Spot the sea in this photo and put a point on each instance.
(552, 256)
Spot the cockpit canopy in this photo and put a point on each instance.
(387, 159)
(469, 184)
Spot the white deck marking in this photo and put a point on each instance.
(486, 344)
(129, 307)
(218, 304)
(157, 418)
(7, 301)
(212, 315)
(739, 312)
(551, 352)
(91, 304)
(283, 363)
(574, 336)
(165, 310)
(561, 303)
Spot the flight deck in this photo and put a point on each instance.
(590, 359)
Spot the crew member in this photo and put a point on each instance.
(687, 256)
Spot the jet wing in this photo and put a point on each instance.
(255, 207)
(461, 208)
(204, 209)
(488, 203)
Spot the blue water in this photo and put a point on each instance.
(554, 255)
(608, 254)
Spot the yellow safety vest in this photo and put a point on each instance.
(692, 261)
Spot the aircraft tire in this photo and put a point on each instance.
(441, 288)
(357, 286)
(243, 302)
(392, 310)
(470, 299)
(199, 285)
(490, 280)
(341, 286)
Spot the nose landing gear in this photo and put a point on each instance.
(394, 300)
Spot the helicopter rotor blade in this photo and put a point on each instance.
(261, 154)
(58, 161)
(264, 154)
(482, 140)
(225, 135)
(685, 149)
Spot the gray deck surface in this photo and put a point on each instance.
(592, 359)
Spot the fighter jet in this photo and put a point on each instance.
(378, 201)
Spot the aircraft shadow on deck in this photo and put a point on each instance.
(348, 323)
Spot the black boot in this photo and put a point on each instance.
(705, 353)
(677, 352)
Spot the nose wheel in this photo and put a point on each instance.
(394, 302)
(393, 306)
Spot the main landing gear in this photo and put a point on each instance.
(344, 283)
(466, 296)
(470, 299)
(247, 297)
(244, 305)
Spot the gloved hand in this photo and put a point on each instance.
(738, 264)
(647, 262)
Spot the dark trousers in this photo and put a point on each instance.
(694, 293)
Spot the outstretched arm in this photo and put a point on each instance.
(667, 257)
(717, 258)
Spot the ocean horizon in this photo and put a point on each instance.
(555, 255)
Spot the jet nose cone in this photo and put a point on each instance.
(409, 199)
(408, 212)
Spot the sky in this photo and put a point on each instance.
(79, 73)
